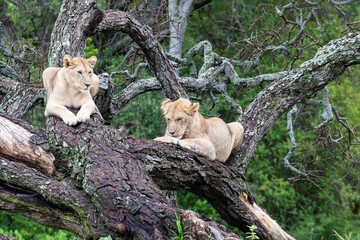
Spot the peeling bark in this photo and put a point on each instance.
(270, 226)
(15, 142)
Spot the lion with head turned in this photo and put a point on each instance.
(211, 138)
(74, 85)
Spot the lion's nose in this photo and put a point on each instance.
(87, 84)
(172, 132)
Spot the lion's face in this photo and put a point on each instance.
(179, 116)
(79, 71)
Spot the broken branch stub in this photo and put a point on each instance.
(15, 142)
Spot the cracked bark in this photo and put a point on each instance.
(101, 187)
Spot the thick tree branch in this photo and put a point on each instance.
(15, 142)
(297, 85)
(106, 168)
(44, 199)
(19, 97)
(174, 168)
(155, 55)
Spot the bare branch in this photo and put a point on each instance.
(287, 164)
(295, 86)
(155, 55)
(342, 2)
(16, 143)
(19, 97)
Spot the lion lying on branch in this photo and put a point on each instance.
(211, 138)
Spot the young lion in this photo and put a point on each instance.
(211, 138)
(73, 85)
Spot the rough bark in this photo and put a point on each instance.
(106, 183)
(99, 188)
(19, 97)
(75, 22)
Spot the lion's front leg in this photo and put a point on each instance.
(162, 139)
(201, 146)
(55, 109)
(85, 111)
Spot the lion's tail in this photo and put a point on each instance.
(126, 126)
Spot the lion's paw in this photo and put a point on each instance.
(70, 120)
(161, 139)
(82, 117)
(174, 140)
(185, 145)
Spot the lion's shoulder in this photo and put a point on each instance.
(95, 85)
(218, 126)
(49, 78)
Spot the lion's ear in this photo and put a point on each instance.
(67, 61)
(165, 104)
(194, 107)
(92, 60)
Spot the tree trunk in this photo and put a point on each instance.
(76, 21)
(177, 24)
(108, 191)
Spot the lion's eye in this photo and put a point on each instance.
(79, 72)
(179, 119)
(90, 72)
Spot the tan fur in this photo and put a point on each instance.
(73, 85)
(211, 138)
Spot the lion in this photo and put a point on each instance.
(211, 138)
(74, 85)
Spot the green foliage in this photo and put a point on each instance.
(21, 228)
(90, 49)
(139, 110)
(30, 17)
(200, 205)
(106, 238)
(347, 236)
(252, 235)
(31, 23)
(179, 233)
